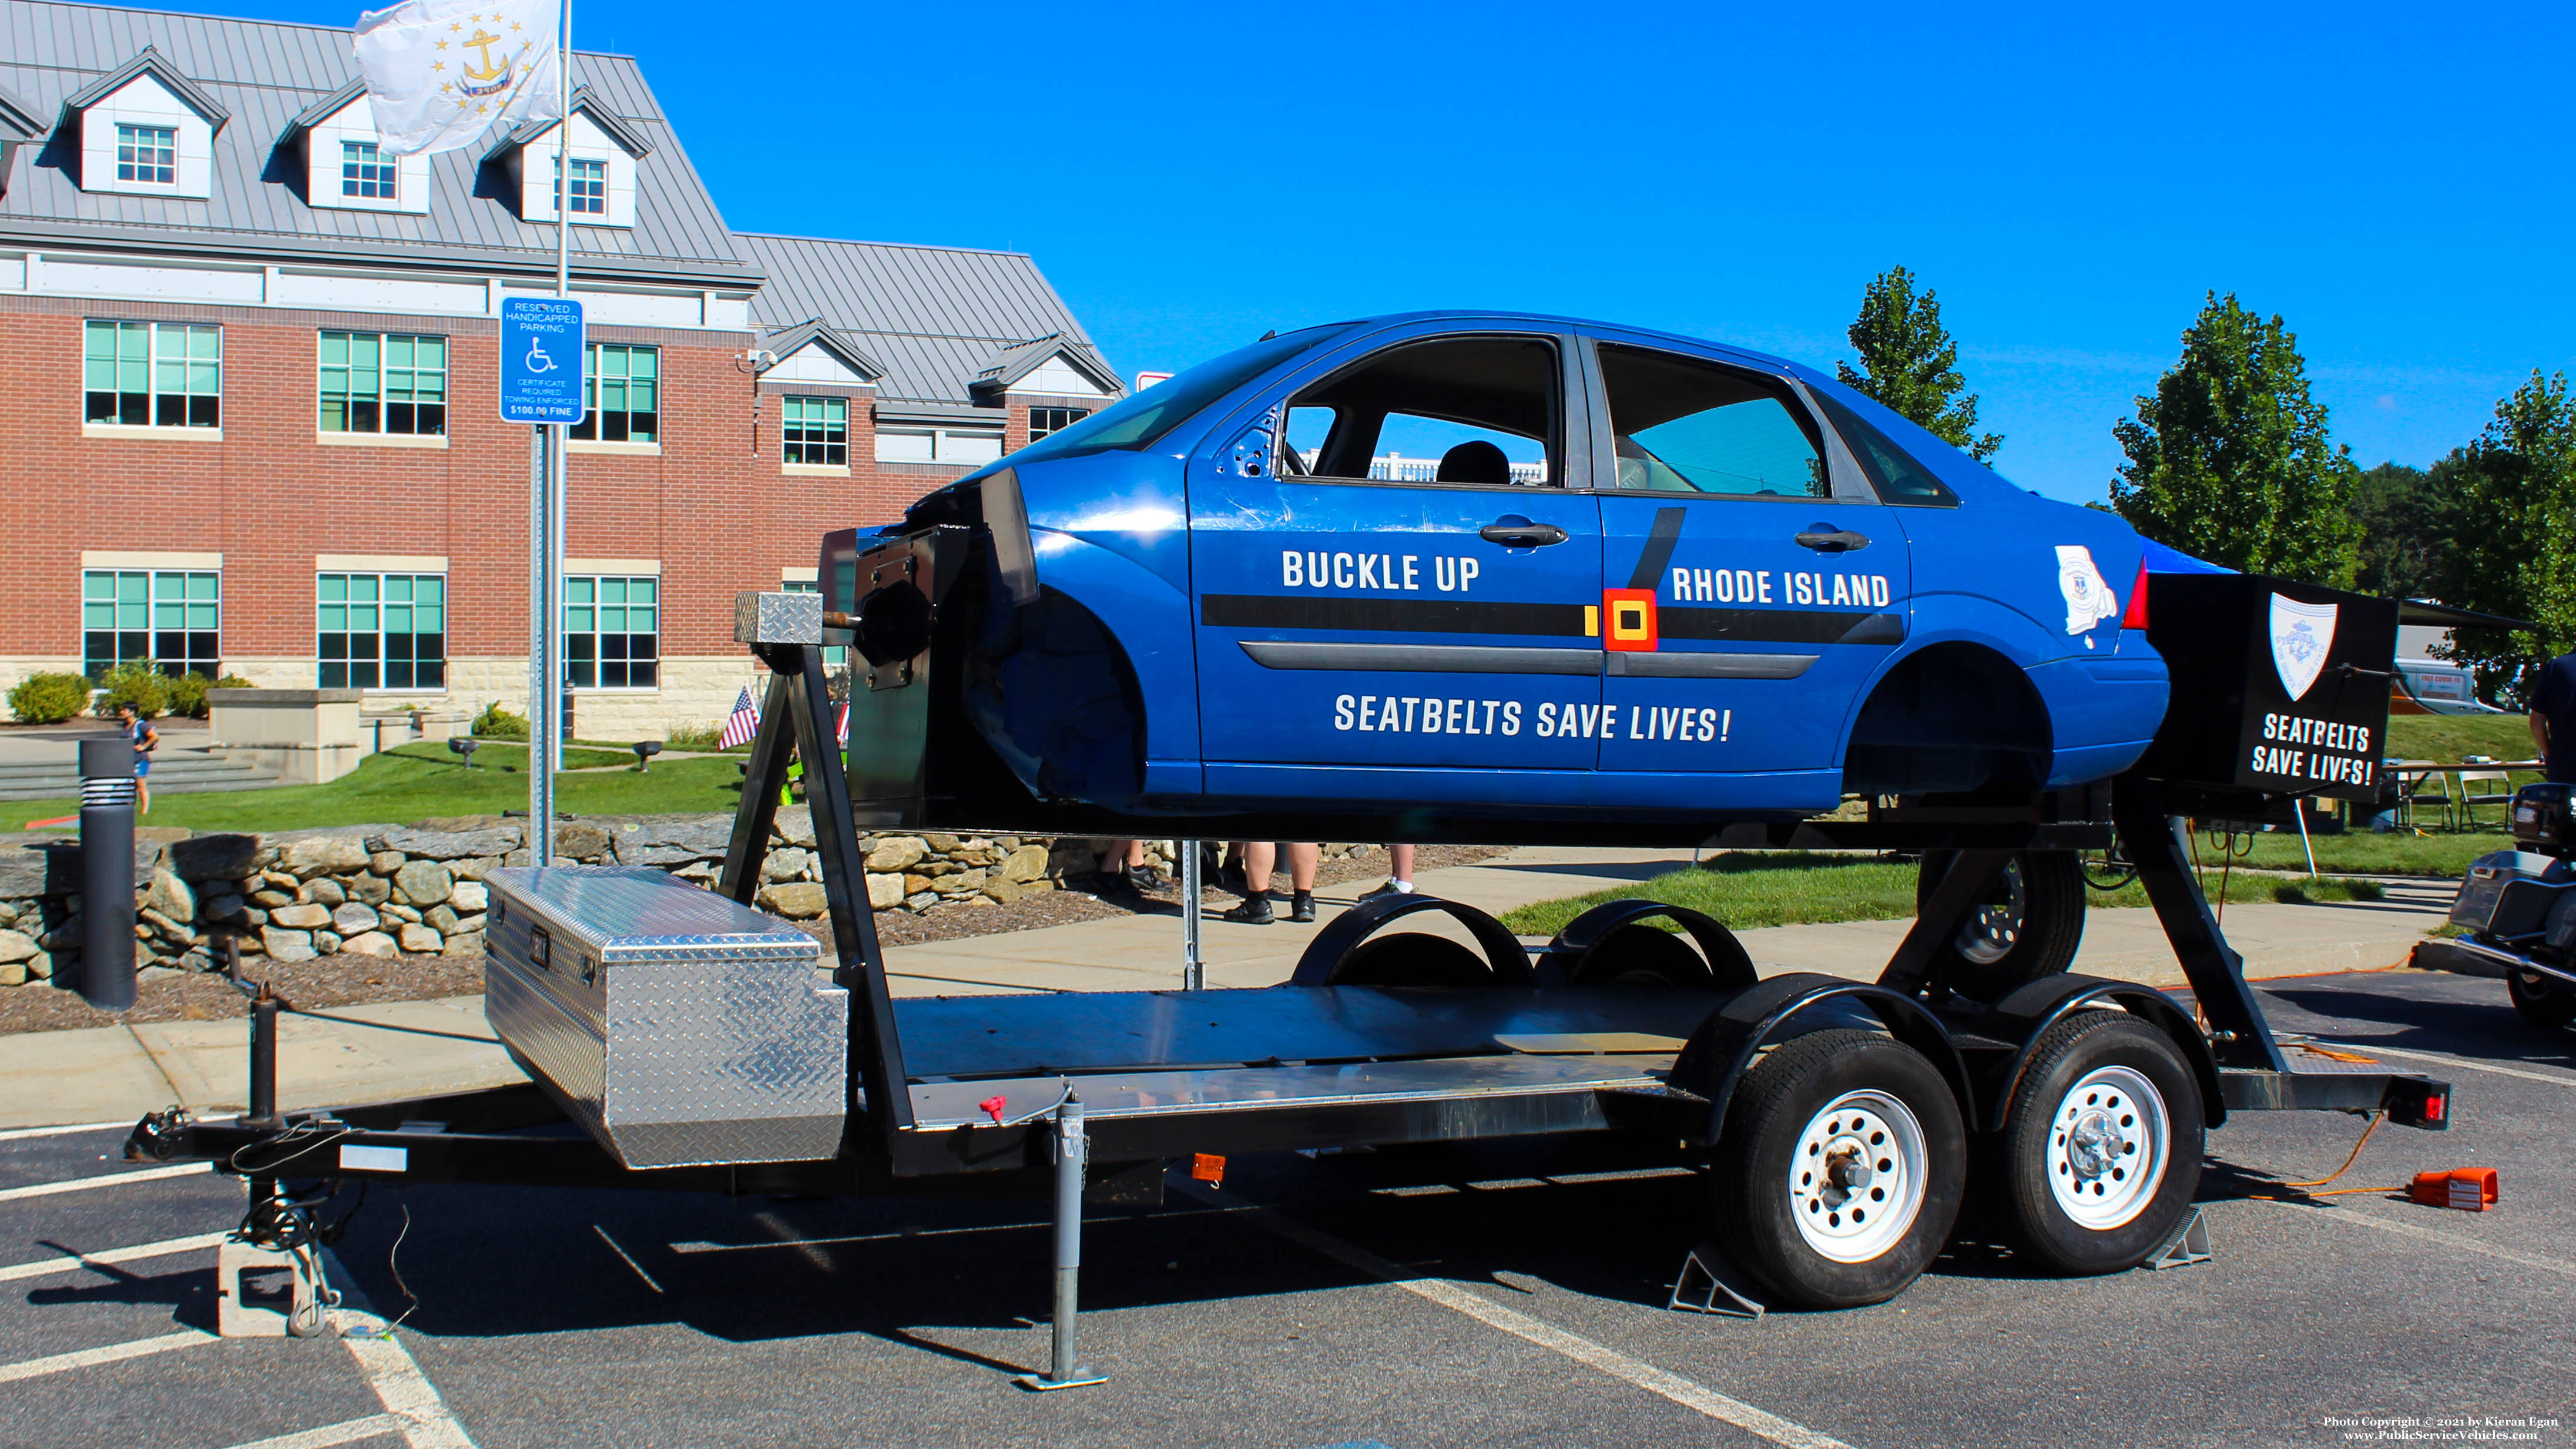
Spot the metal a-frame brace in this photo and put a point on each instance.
(799, 702)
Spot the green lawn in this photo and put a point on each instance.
(401, 786)
(2447, 737)
(1749, 889)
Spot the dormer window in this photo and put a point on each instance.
(589, 186)
(367, 172)
(148, 155)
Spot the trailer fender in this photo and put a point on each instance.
(1725, 1044)
(1563, 961)
(2031, 1009)
(1503, 950)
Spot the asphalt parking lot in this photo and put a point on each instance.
(1507, 1296)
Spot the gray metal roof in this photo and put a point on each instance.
(936, 318)
(582, 101)
(265, 74)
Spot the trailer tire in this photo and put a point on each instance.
(2101, 1146)
(1861, 1231)
(2543, 1003)
(2029, 926)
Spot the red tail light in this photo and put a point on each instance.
(2136, 618)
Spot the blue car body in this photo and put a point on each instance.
(1180, 613)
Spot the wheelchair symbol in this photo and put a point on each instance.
(538, 361)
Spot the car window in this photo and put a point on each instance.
(1465, 410)
(1898, 478)
(1683, 426)
(1142, 418)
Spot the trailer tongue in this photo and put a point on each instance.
(697, 1046)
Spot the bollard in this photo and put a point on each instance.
(107, 873)
(263, 1060)
(1071, 1153)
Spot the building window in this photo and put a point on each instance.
(612, 633)
(1043, 421)
(835, 655)
(366, 171)
(152, 374)
(625, 394)
(818, 430)
(170, 617)
(381, 631)
(589, 187)
(954, 446)
(148, 154)
(383, 383)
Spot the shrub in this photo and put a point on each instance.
(496, 723)
(48, 698)
(693, 735)
(232, 681)
(137, 682)
(188, 694)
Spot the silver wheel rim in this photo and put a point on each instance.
(1856, 1182)
(2108, 1143)
(1993, 929)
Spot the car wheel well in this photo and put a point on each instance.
(1951, 718)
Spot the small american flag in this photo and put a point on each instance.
(744, 724)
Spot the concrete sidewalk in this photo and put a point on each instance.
(406, 1049)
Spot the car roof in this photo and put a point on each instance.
(1472, 317)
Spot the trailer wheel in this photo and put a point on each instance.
(2027, 927)
(2542, 1002)
(1839, 1174)
(1411, 958)
(2101, 1146)
(1644, 956)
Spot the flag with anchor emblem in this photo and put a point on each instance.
(442, 72)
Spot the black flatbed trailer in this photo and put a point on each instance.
(987, 1095)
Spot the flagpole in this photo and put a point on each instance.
(547, 680)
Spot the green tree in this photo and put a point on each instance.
(1909, 363)
(2229, 461)
(2514, 546)
(2408, 518)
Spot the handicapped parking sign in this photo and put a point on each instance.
(541, 360)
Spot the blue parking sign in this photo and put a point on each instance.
(541, 360)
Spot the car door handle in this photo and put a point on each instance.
(1520, 534)
(1838, 540)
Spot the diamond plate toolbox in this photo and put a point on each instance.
(680, 1028)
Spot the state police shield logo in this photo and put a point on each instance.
(2302, 634)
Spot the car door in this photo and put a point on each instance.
(1754, 584)
(1392, 580)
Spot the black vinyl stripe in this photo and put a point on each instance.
(1660, 540)
(1408, 616)
(1781, 626)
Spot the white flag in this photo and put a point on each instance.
(442, 72)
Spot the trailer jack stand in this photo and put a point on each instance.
(1711, 1283)
(2188, 1246)
(1071, 1149)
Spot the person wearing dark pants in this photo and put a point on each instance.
(1259, 856)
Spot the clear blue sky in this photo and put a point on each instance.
(2069, 178)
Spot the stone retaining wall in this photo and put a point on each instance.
(389, 890)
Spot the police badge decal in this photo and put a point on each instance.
(2088, 594)
(2302, 634)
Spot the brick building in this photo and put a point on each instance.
(247, 374)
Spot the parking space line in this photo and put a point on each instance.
(2446, 1059)
(1688, 1393)
(16, 1134)
(113, 1353)
(348, 1431)
(2360, 1218)
(406, 1392)
(106, 1256)
(111, 1179)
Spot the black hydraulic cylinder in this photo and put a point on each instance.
(263, 1060)
(107, 873)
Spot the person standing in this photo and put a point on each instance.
(2553, 719)
(145, 739)
(1399, 880)
(1259, 856)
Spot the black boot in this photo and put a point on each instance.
(1301, 907)
(1255, 911)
